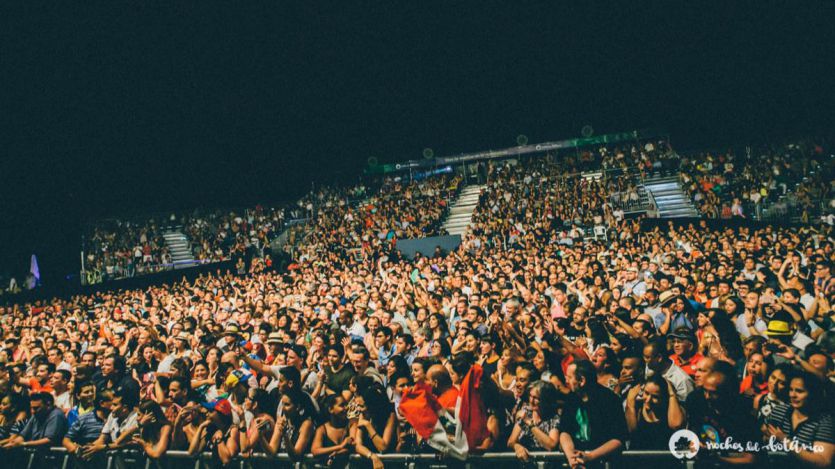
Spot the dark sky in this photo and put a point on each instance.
(127, 108)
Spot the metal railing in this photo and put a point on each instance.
(58, 457)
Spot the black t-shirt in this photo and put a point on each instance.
(735, 422)
(594, 421)
(338, 381)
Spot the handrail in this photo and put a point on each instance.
(396, 458)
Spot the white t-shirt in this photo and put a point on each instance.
(113, 428)
(64, 401)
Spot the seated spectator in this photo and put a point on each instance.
(653, 413)
(260, 408)
(45, 427)
(685, 355)
(293, 427)
(593, 428)
(153, 432)
(717, 413)
(658, 363)
(85, 398)
(216, 434)
(119, 426)
(14, 411)
(332, 441)
(806, 420)
(374, 430)
(538, 428)
(87, 428)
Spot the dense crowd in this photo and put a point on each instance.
(120, 248)
(726, 184)
(528, 337)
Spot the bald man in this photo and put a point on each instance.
(441, 382)
(703, 367)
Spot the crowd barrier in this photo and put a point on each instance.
(59, 458)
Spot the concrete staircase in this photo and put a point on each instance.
(670, 199)
(461, 212)
(179, 248)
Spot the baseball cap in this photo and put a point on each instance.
(221, 405)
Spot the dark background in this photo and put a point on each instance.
(125, 108)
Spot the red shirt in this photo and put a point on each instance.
(449, 398)
(688, 366)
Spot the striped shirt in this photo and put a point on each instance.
(86, 429)
(818, 428)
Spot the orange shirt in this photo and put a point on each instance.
(35, 386)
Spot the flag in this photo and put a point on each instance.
(472, 412)
(33, 269)
(432, 422)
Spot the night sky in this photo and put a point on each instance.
(125, 107)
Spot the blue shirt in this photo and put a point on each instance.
(52, 426)
(86, 429)
(383, 355)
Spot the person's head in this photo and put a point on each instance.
(360, 359)
(656, 394)
(654, 356)
(289, 378)
(544, 398)
(807, 394)
(525, 375)
(757, 366)
(632, 368)
(819, 361)
(124, 402)
(382, 337)
(13, 404)
(778, 385)
(418, 370)
(44, 372)
(703, 368)
(753, 344)
(335, 409)
(684, 343)
(401, 382)
(460, 365)
(150, 408)
(220, 413)
(41, 403)
(720, 387)
(373, 402)
(108, 365)
(178, 389)
(293, 404)
(580, 375)
(439, 348)
(88, 359)
(438, 377)
(335, 355)
(60, 380)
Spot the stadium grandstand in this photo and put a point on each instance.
(594, 302)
